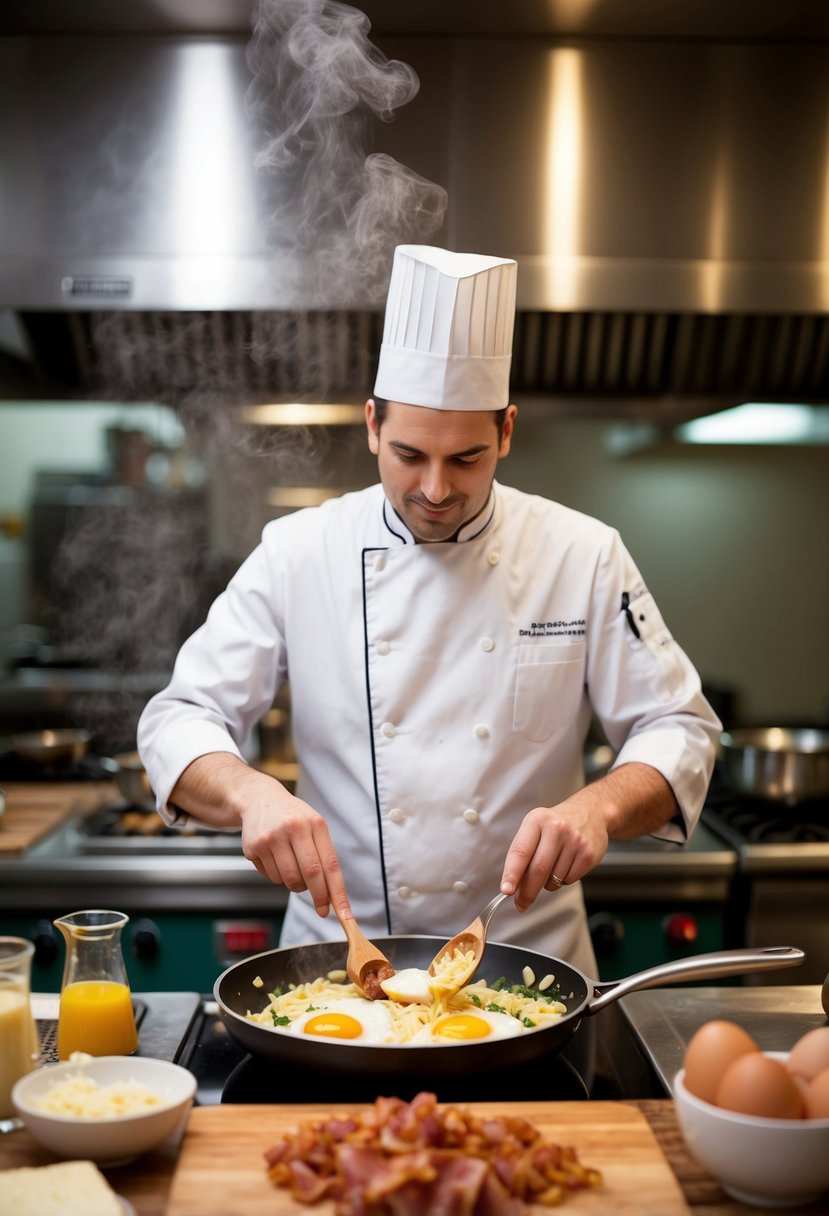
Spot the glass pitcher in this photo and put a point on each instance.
(19, 1046)
(96, 1013)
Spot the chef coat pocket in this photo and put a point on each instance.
(549, 685)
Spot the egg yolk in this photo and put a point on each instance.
(333, 1026)
(462, 1026)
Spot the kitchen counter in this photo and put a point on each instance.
(663, 1018)
(146, 1183)
(56, 868)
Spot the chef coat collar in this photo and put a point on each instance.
(470, 531)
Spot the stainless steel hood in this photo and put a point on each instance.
(661, 177)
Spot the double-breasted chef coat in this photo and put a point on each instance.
(439, 692)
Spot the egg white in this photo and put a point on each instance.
(374, 1021)
(411, 985)
(462, 1027)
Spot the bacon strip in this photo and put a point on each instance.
(404, 1159)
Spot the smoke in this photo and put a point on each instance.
(134, 579)
(318, 84)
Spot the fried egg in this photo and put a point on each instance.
(469, 1026)
(409, 986)
(353, 1021)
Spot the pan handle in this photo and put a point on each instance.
(697, 967)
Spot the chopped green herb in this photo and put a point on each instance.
(475, 999)
(311, 1008)
(276, 992)
(528, 1022)
(280, 1019)
(493, 1008)
(500, 983)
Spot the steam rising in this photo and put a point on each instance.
(318, 81)
(133, 581)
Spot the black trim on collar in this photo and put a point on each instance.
(365, 552)
(404, 539)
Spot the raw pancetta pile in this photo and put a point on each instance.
(414, 1157)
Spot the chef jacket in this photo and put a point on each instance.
(439, 692)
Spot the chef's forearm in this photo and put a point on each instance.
(216, 788)
(634, 800)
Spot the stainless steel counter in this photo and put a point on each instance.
(665, 1019)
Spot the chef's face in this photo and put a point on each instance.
(437, 466)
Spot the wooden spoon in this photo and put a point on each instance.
(473, 938)
(365, 965)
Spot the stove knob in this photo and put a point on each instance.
(606, 931)
(45, 942)
(146, 940)
(680, 929)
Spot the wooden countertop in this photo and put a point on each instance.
(34, 809)
(146, 1183)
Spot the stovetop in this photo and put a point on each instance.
(769, 832)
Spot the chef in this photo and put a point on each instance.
(447, 640)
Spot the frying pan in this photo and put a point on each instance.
(128, 773)
(51, 748)
(236, 995)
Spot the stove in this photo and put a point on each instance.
(779, 889)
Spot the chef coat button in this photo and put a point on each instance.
(380, 563)
(486, 644)
(382, 647)
(460, 887)
(471, 815)
(404, 892)
(493, 558)
(387, 729)
(396, 815)
(482, 731)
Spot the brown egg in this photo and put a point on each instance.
(755, 1084)
(816, 1101)
(714, 1046)
(810, 1054)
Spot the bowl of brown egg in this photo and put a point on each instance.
(757, 1120)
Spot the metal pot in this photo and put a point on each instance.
(128, 773)
(51, 748)
(782, 764)
(236, 995)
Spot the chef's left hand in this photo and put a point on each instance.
(558, 845)
(554, 843)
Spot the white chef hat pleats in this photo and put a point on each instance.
(447, 339)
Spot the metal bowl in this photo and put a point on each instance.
(51, 748)
(784, 764)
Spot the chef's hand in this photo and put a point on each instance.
(285, 838)
(289, 843)
(558, 845)
(554, 845)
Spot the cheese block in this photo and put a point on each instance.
(70, 1188)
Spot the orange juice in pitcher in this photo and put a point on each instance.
(96, 1013)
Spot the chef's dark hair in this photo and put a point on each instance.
(381, 405)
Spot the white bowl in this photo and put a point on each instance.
(766, 1162)
(107, 1141)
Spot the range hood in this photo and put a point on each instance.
(663, 184)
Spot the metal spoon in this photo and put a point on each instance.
(365, 965)
(472, 938)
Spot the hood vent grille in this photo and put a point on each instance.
(594, 357)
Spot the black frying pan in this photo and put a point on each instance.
(236, 995)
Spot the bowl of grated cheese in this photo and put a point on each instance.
(106, 1109)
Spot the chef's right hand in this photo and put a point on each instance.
(285, 838)
(289, 842)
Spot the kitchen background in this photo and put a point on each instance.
(198, 204)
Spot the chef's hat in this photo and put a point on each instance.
(447, 341)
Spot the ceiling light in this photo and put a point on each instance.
(293, 498)
(759, 422)
(303, 414)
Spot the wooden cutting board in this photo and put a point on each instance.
(222, 1166)
(34, 810)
